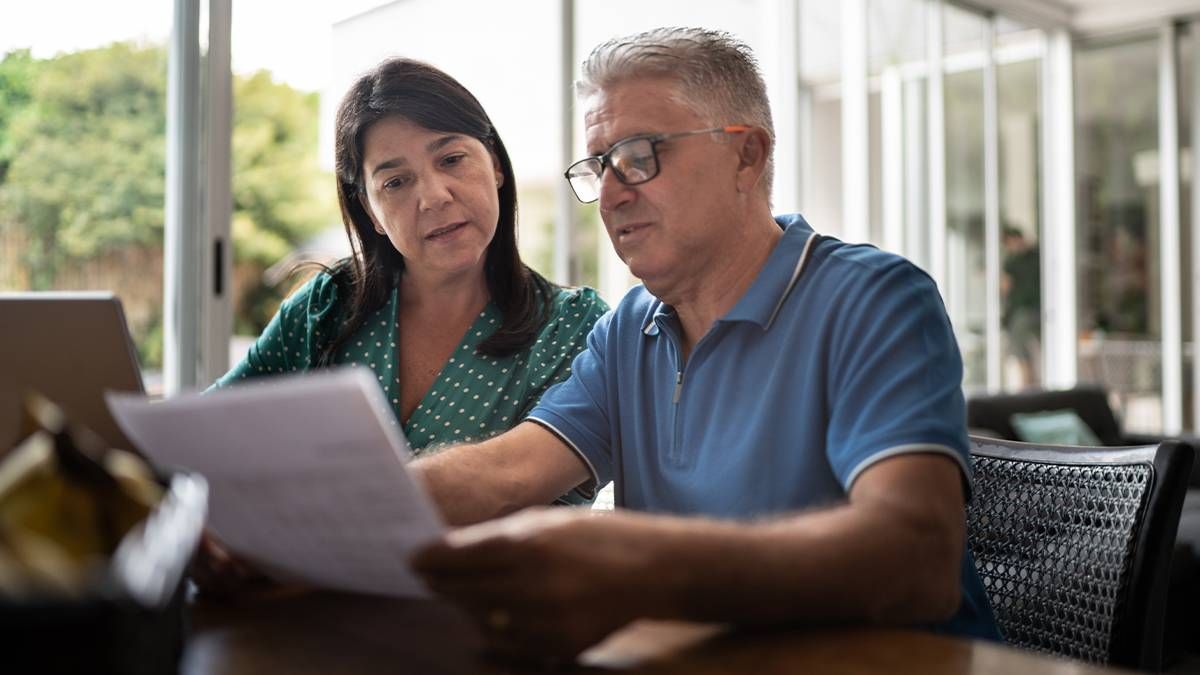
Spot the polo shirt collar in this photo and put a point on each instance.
(762, 301)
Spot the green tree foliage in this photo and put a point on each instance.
(82, 167)
(87, 152)
(16, 81)
(280, 195)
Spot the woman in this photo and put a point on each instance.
(463, 337)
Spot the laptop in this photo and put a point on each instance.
(70, 347)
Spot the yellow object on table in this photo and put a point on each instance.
(66, 502)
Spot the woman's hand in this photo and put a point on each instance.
(219, 573)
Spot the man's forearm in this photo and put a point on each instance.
(526, 466)
(846, 563)
(460, 484)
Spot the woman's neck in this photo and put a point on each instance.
(448, 296)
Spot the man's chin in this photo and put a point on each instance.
(651, 277)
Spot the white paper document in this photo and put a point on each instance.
(306, 475)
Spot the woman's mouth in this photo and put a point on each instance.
(443, 232)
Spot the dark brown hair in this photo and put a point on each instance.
(426, 96)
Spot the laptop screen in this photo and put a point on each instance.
(69, 347)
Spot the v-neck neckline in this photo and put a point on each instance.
(479, 330)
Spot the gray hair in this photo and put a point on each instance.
(718, 77)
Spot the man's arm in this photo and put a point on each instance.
(564, 579)
(891, 555)
(525, 466)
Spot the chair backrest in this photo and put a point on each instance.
(994, 411)
(1074, 544)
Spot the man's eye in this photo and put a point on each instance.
(641, 161)
(634, 162)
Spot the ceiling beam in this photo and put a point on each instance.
(1099, 18)
(1047, 14)
(1090, 18)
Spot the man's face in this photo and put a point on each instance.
(667, 229)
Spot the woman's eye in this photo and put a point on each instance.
(451, 160)
(395, 182)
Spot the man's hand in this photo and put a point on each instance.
(545, 582)
(552, 582)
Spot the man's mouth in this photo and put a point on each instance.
(626, 230)
(443, 231)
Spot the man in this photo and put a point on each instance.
(1021, 293)
(781, 413)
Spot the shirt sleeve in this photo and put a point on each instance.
(563, 338)
(895, 375)
(577, 409)
(292, 338)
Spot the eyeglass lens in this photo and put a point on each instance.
(633, 161)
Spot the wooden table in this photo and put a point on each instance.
(323, 632)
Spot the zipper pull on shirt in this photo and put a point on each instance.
(678, 386)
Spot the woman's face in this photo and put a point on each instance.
(434, 194)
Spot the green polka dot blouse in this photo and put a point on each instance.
(472, 398)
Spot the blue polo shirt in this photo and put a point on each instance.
(838, 356)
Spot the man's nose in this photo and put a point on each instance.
(613, 193)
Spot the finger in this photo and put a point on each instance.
(484, 595)
(218, 572)
(443, 557)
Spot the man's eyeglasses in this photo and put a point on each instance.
(633, 161)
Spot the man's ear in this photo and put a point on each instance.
(366, 206)
(754, 149)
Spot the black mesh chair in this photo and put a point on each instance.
(1074, 545)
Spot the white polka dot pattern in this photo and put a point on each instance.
(473, 397)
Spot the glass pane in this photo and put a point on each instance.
(896, 32)
(820, 42)
(1020, 224)
(966, 280)
(82, 152)
(284, 203)
(962, 30)
(916, 168)
(823, 207)
(1005, 25)
(1010, 32)
(875, 169)
(896, 41)
(1117, 168)
(820, 74)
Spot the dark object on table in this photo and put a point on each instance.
(93, 554)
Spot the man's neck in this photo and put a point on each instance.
(725, 282)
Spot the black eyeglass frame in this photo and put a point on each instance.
(605, 160)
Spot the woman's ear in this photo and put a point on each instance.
(753, 152)
(366, 207)
(497, 170)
